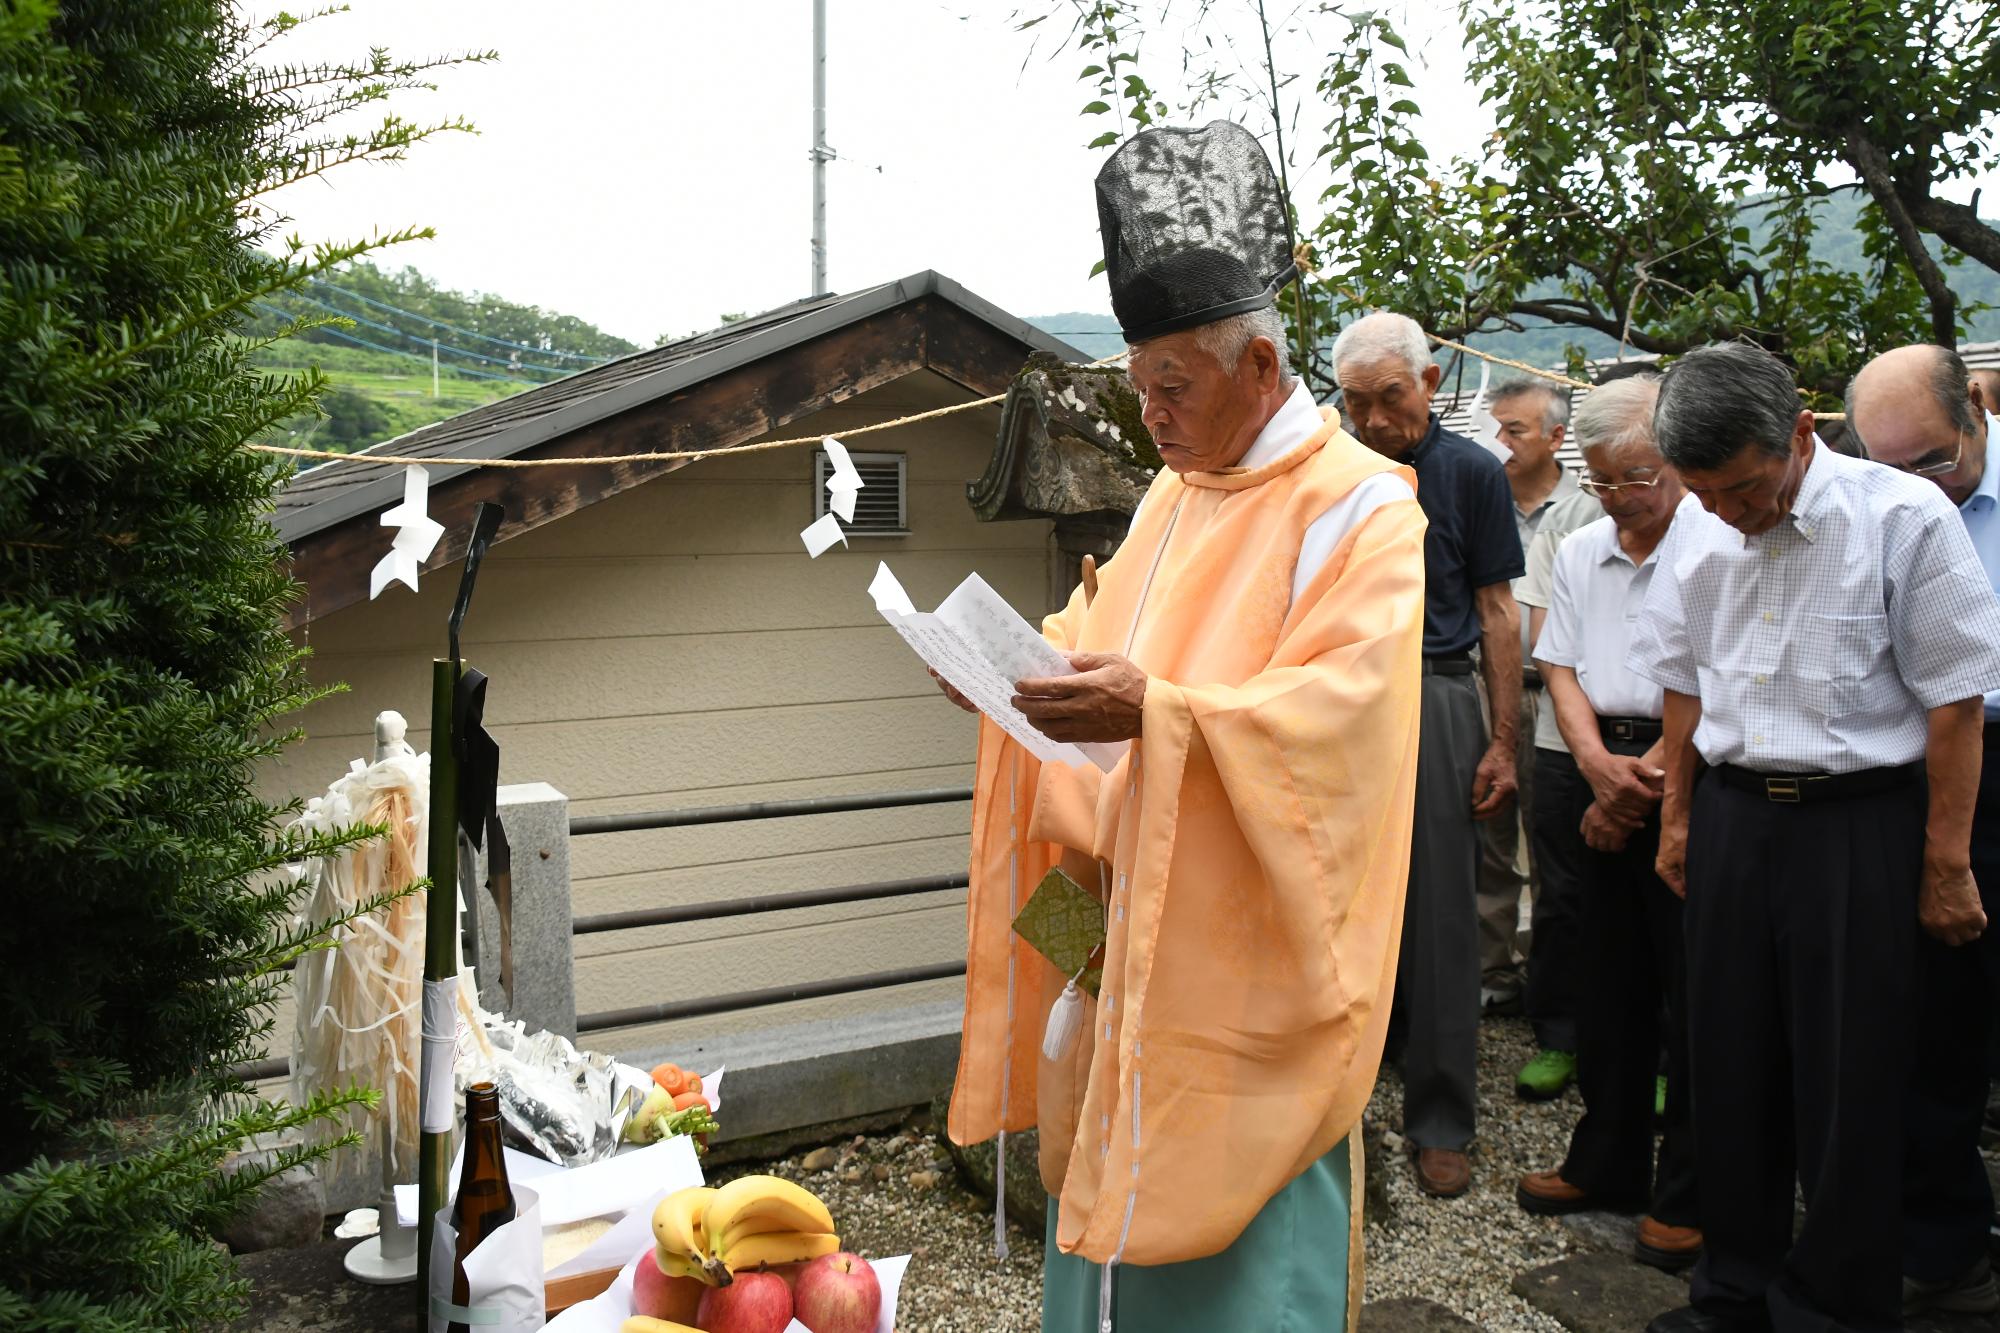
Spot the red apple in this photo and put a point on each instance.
(753, 1303)
(661, 1297)
(838, 1293)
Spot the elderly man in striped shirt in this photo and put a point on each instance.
(1824, 633)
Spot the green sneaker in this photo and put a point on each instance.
(1660, 1098)
(1543, 1078)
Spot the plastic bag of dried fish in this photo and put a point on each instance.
(563, 1103)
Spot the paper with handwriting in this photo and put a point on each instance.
(981, 646)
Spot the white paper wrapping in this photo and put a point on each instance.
(504, 1275)
(440, 1045)
(602, 1189)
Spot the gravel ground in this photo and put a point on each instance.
(898, 1194)
(1463, 1253)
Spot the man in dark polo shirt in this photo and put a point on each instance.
(1471, 552)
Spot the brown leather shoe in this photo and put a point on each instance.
(1547, 1194)
(1664, 1247)
(1443, 1173)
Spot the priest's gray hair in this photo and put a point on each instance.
(1383, 334)
(1227, 339)
(1618, 414)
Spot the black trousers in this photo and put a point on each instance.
(1801, 931)
(1434, 1021)
(1555, 966)
(1633, 1002)
(1947, 1198)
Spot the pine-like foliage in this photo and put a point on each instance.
(143, 672)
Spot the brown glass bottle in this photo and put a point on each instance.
(485, 1202)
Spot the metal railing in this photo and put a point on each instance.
(708, 1005)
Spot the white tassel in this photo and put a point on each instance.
(1065, 1021)
(1000, 1197)
(1104, 1297)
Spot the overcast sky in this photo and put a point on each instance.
(643, 164)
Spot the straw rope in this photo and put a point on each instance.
(672, 455)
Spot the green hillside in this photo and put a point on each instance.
(400, 325)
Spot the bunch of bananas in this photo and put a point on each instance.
(751, 1222)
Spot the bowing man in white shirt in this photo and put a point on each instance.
(1917, 410)
(1824, 633)
(1629, 949)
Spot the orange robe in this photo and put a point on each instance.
(1254, 844)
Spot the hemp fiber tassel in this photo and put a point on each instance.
(1065, 1021)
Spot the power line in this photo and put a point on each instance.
(397, 351)
(470, 333)
(418, 338)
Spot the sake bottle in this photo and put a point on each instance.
(485, 1202)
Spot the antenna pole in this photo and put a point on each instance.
(820, 152)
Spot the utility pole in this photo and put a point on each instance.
(820, 152)
(434, 369)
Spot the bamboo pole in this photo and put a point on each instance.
(440, 958)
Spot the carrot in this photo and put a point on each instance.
(694, 1082)
(671, 1077)
(686, 1099)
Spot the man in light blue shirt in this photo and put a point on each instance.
(1914, 409)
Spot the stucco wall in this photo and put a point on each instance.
(673, 646)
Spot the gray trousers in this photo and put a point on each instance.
(1500, 881)
(1437, 978)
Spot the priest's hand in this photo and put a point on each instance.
(1103, 702)
(952, 694)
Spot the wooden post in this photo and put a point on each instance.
(440, 959)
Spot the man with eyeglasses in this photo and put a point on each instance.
(1630, 951)
(1824, 634)
(1917, 410)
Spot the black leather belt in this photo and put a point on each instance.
(1451, 664)
(1531, 678)
(1795, 788)
(1630, 728)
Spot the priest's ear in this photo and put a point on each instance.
(1265, 362)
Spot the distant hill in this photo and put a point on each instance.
(415, 353)
(1837, 241)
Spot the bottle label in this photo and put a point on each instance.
(439, 1054)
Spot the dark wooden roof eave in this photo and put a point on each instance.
(757, 396)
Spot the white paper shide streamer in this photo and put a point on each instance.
(1482, 427)
(417, 535)
(843, 483)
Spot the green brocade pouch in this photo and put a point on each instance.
(1064, 922)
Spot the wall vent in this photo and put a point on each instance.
(882, 507)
